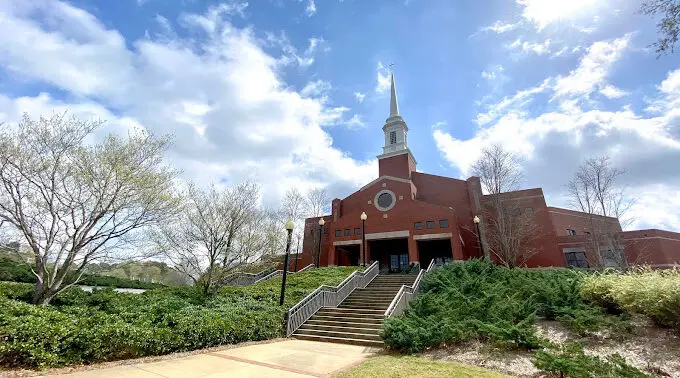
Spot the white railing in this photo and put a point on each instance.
(327, 296)
(279, 272)
(406, 293)
(246, 279)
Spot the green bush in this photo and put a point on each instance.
(81, 327)
(479, 300)
(655, 293)
(569, 360)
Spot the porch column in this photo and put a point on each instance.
(413, 250)
(456, 247)
(332, 260)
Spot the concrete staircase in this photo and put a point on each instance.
(359, 318)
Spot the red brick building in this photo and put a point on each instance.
(413, 217)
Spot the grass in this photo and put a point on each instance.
(409, 366)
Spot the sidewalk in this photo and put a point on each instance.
(287, 358)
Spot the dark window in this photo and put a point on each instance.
(529, 211)
(418, 225)
(403, 261)
(398, 262)
(516, 212)
(393, 137)
(348, 232)
(443, 223)
(588, 233)
(571, 232)
(357, 231)
(385, 200)
(338, 233)
(576, 259)
(430, 224)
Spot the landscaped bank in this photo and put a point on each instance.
(463, 304)
(79, 327)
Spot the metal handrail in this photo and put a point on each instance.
(406, 293)
(247, 279)
(327, 296)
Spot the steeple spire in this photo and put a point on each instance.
(394, 107)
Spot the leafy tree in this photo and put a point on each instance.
(74, 201)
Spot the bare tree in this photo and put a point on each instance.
(75, 203)
(669, 26)
(200, 241)
(593, 190)
(510, 234)
(293, 206)
(316, 202)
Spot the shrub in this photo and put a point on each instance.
(81, 327)
(569, 360)
(655, 293)
(479, 300)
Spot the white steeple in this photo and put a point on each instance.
(395, 128)
(394, 107)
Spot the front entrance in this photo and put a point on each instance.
(439, 250)
(348, 255)
(392, 254)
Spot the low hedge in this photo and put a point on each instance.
(479, 300)
(655, 293)
(80, 327)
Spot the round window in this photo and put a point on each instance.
(385, 200)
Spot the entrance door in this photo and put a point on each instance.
(398, 262)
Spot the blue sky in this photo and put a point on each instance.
(294, 93)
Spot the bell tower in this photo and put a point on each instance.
(396, 159)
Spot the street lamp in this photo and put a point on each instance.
(479, 236)
(321, 223)
(289, 227)
(363, 237)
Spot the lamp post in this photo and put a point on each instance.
(318, 251)
(289, 227)
(363, 237)
(479, 236)
(297, 252)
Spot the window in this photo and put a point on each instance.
(398, 262)
(338, 233)
(588, 233)
(385, 200)
(443, 223)
(430, 224)
(348, 232)
(529, 211)
(516, 212)
(576, 259)
(418, 225)
(393, 137)
(571, 232)
(357, 231)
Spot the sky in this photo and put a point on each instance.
(294, 93)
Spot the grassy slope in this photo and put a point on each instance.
(408, 366)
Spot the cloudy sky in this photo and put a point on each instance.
(295, 92)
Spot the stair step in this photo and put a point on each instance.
(341, 323)
(367, 329)
(365, 318)
(347, 335)
(348, 319)
(340, 340)
(367, 300)
(338, 310)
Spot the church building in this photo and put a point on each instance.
(413, 217)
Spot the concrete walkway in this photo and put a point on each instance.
(287, 358)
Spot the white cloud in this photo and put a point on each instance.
(316, 88)
(544, 12)
(355, 122)
(220, 95)
(593, 68)
(493, 73)
(310, 10)
(359, 96)
(613, 92)
(530, 47)
(383, 79)
(500, 27)
(567, 130)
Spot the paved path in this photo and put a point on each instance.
(288, 358)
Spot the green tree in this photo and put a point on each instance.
(74, 201)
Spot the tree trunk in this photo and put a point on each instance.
(42, 294)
